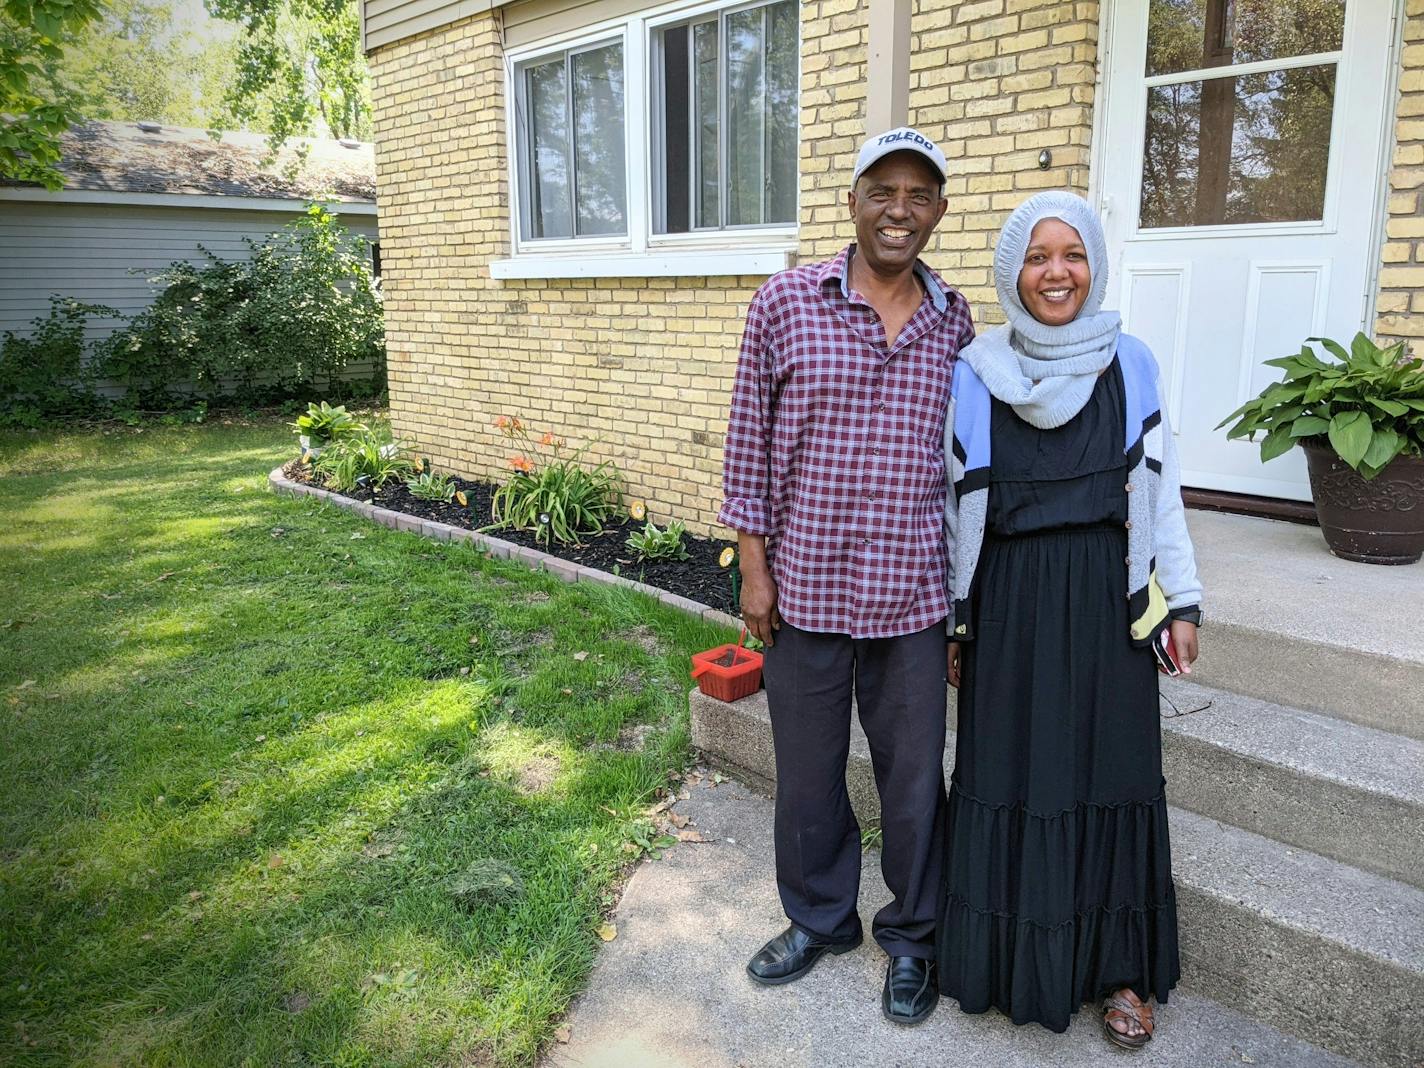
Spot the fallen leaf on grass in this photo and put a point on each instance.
(379, 849)
(194, 895)
(562, 1034)
(607, 931)
(277, 532)
(165, 576)
(26, 684)
(580, 656)
(275, 861)
(690, 836)
(358, 536)
(678, 820)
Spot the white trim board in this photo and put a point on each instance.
(296, 205)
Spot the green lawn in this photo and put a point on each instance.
(284, 787)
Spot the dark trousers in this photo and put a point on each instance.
(899, 687)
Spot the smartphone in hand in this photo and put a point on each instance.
(1166, 653)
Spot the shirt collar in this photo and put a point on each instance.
(838, 269)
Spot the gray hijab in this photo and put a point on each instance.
(1046, 373)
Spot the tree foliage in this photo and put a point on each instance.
(35, 109)
(302, 61)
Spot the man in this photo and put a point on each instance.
(834, 481)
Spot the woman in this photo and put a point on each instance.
(1070, 559)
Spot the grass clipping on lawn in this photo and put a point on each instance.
(282, 786)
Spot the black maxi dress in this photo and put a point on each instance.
(1058, 866)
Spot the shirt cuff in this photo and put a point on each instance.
(746, 515)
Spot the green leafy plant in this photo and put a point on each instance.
(653, 544)
(553, 493)
(429, 486)
(322, 424)
(368, 459)
(1369, 406)
(299, 311)
(50, 373)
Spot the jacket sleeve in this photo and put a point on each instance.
(1176, 559)
(746, 456)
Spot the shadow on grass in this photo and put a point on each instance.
(263, 742)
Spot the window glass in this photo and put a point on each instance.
(706, 91)
(1185, 35)
(548, 181)
(733, 153)
(600, 186)
(1245, 149)
(746, 115)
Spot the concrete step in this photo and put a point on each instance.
(1341, 790)
(1320, 949)
(671, 990)
(1290, 623)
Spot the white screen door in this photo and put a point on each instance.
(1238, 178)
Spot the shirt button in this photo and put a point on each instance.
(882, 406)
(870, 496)
(1128, 561)
(865, 541)
(1128, 487)
(1127, 525)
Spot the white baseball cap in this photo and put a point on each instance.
(901, 139)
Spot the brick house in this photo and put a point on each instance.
(578, 198)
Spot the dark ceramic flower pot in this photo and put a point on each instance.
(1379, 521)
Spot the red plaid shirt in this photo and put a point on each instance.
(835, 450)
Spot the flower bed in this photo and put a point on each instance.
(699, 578)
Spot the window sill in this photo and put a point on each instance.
(683, 263)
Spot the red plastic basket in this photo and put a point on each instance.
(728, 682)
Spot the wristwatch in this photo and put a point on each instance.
(1189, 614)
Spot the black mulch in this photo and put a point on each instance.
(699, 577)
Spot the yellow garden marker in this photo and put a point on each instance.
(638, 510)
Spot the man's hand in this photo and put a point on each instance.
(759, 604)
(1184, 641)
(954, 664)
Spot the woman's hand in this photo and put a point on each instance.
(1184, 641)
(954, 664)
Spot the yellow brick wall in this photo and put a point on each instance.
(643, 365)
(995, 82)
(834, 38)
(1400, 303)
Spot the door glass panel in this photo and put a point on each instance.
(1187, 35)
(1248, 149)
(598, 140)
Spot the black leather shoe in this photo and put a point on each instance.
(911, 990)
(792, 954)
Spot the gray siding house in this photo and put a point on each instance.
(136, 200)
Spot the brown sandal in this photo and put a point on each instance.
(1118, 1007)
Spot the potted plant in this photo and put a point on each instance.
(322, 424)
(728, 672)
(1361, 423)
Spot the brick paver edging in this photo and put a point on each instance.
(504, 550)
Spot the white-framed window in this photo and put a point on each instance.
(664, 142)
(726, 119)
(573, 179)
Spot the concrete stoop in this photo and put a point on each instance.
(1304, 942)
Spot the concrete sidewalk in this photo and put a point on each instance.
(671, 991)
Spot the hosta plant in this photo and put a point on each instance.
(429, 486)
(650, 543)
(322, 424)
(1368, 404)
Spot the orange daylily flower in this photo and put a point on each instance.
(521, 463)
